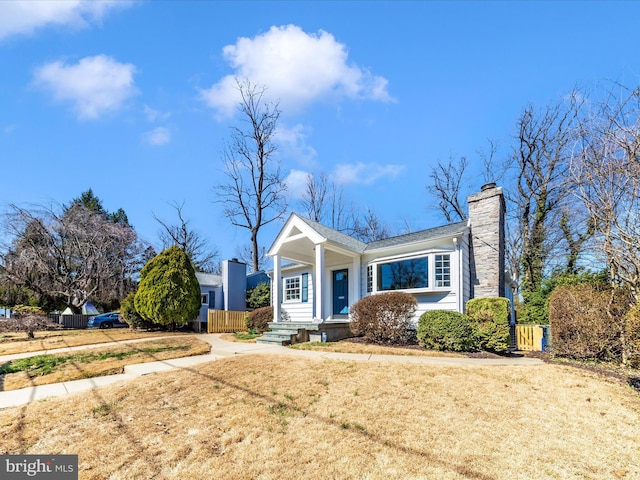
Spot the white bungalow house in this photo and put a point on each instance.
(319, 273)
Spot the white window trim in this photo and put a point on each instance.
(450, 286)
(204, 296)
(431, 255)
(284, 289)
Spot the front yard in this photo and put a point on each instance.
(95, 362)
(17, 342)
(273, 417)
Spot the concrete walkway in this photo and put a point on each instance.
(219, 349)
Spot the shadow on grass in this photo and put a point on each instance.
(339, 424)
(105, 408)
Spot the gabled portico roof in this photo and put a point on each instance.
(300, 235)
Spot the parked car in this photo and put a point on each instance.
(107, 320)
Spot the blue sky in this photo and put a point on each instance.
(132, 99)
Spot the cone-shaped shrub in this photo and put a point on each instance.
(169, 291)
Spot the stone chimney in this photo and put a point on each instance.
(487, 242)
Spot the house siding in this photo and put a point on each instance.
(440, 299)
(219, 300)
(299, 311)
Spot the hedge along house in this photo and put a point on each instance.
(327, 271)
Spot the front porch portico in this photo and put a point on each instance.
(322, 275)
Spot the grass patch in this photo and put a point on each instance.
(46, 364)
(408, 421)
(48, 368)
(242, 337)
(49, 340)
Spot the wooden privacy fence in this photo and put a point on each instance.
(70, 321)
(226, 321)
(531, 338)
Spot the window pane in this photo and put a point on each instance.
(292, 288)
(369, 278)
(413, 273)
(443, 271)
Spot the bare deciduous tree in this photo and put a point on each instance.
(314, 198)
(541, 161)
(203, 256)
(74, 255)
(368, 227)
(254, 194)
(606, 168)
(447, 185)
(245, 255)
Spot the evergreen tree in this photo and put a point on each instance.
(169, 292)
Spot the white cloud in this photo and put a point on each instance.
(158, 136)
(26, 16)
(298, 68)
(155, 115)
(94, 85)
(296, 183)
(293, 142)
(364, 173)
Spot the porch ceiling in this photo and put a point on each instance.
(302, 250)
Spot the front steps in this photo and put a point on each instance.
(288, 333)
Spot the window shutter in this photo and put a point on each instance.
(305, 287)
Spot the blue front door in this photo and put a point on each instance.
(341, 292)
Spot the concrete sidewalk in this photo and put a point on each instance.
(220, 349)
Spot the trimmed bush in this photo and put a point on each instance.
(446, 330)
(386, 318)
(587, 321)
(169, 292)
(490, 320)
(258, 320)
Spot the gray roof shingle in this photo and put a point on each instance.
(336, 236)
(356, 245)
(450, 230)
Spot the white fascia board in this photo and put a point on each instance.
(417, 242)
(285, 234)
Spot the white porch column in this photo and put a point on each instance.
(357, 275)
(275, 292)
(457, 272)
(319, 283)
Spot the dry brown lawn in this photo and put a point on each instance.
(347, 346)
(48, 340)
(84, 364)
(283, 417)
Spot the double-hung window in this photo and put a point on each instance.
(296, 289)
(292, 289)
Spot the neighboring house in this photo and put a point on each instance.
(443, 267)
(256, 278)
(222, 292)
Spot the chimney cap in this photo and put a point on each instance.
(488, 186)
